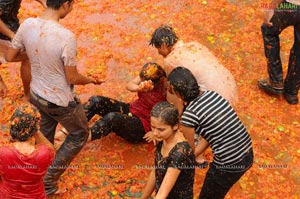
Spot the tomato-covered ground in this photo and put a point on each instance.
(113, 38)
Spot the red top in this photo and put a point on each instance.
(146, 100)
(22, 175)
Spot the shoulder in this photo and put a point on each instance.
(6, 150)
(44, 149)
(182, 153)
(29, 21)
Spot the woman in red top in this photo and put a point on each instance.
(24, 161)
(130, 121)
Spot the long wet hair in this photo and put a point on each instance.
(152, 71)
(24, 123)
(166, 112)
(184, 83)
(163, 35)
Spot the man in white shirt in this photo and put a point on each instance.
(285, 13)
(9, 23)
(51, 49)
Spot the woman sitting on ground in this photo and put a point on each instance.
(130, 121)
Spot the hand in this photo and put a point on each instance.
(3, 89)
(149, 137)
(146, 86)
(268, 16)
(97, 81)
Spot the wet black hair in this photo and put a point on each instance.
(56, 4)
(152, 71)
(166, 112)
(184, 83)
(24, 123)
(163, 35)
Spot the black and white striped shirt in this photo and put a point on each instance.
(216, 121)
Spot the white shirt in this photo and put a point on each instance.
(50, 47)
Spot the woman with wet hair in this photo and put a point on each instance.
(174, 171)
(209, 115)
(25, 160)
(130, 121)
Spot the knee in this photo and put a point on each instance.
(94, 101)
(111, 116)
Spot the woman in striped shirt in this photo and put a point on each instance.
(208, 114)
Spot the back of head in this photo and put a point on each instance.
(24, 123)
(166, 112)
(184, 83)
(56, 4)
(163, 35)
(152, 71)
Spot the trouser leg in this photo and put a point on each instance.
(282, 19)
(218, 182)
(292, 81)
(74, 120)
(103, 105)
(129, 128)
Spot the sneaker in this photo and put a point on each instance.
(291, 99)
(269, 87)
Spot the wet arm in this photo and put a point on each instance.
(150, 186)
(189, 134)
(168, 183)
(201, 147)
(5, 30)
(74, 77)
(133, 85)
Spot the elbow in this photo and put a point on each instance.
(8, 58)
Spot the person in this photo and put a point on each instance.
(9, 24)
(174, 171)
(208, 114)
(25, 160)
(130, 121)
(54, 74)
(210, 74)
(285, 13)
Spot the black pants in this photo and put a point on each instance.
(282, 19)
(218, 181)
(115, 118)
(74, 120)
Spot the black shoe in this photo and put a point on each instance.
(269, 88)
(291, 99)
(100, 129)
(91, 107)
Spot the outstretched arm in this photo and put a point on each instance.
(168, 183)
(74, 77)
(150, 186)
(5, 30)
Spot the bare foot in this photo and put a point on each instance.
(59, 138)
(60, 191)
